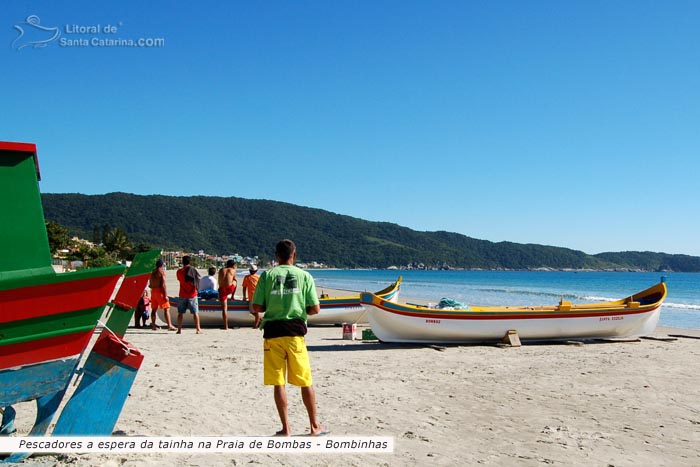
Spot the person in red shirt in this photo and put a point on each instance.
(188, 277)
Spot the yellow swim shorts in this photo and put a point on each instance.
(286, 359)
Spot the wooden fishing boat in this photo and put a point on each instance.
(634, 316)
(47, 319)
(334, 310)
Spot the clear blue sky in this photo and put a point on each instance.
(574, 124)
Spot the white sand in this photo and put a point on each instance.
(600, 404)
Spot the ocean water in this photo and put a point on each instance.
(680, 309)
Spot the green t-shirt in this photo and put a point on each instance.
(285, 291)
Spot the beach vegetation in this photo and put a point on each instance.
(113, 246)
(91, 256)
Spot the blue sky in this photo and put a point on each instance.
(574, 124)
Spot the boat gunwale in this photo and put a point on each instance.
(339, 301)
(612, 308)
(54, 278)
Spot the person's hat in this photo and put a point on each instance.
(159, 263)
(253, 268)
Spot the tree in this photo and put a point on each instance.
(106, 232)
(58, 236)
(116, 242)
(96, 235)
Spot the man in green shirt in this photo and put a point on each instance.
(286, 295)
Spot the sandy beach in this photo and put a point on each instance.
(598, 404)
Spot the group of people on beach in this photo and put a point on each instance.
(192, 287)
(281, 298)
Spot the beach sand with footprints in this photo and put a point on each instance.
(601, 403)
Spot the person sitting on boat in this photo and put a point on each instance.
(208, 286)
(250, 282)
(227, 288)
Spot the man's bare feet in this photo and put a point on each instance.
(321, 430)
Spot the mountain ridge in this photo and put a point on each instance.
(228, 225)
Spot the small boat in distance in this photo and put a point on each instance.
(634, 316)
(334, 310)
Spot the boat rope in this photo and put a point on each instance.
(364, 312)
(127, 349)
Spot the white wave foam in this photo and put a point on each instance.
(595, 298)
(680, 306)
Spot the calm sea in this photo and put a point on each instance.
(681, 308)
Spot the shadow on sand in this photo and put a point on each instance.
(378, 345)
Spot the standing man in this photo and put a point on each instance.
(227, 288)
(250, 282)
(188, 277)
(159, 295)
(286, 295)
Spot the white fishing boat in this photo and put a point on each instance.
(334, 310)
(634, 316)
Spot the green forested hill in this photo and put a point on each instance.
(649, 261)
(252, 227)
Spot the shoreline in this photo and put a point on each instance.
(540, 269)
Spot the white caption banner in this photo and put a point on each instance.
(252, 444)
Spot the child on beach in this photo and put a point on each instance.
(143, 310)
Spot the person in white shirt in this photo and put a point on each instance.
(209, 282)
